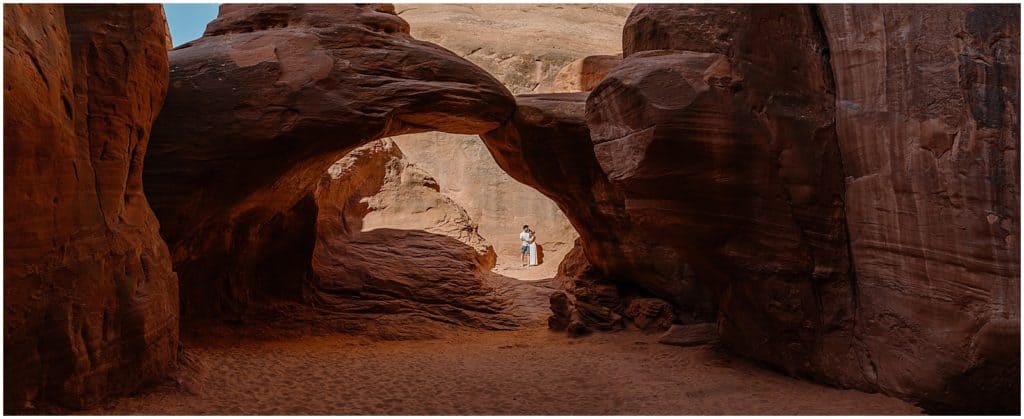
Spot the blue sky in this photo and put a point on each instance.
(188, 20)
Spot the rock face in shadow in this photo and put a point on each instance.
(91, 302)
(388, 242)
(928, 123)
(843, 179)
(260, 107)
(728, 155)
(547, 145)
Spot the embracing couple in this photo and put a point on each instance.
(529, 246)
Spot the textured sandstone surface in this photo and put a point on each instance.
(529, 48)
(523, 45)
(928, 123)
(260, 107)
(547, 145)
(746, 140)
(751, 175)
(388, 242)
(90, 301)
(839, 184)
(844, 179)
(584, 74)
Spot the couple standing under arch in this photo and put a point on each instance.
(528, 248)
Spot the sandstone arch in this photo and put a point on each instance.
(257, 111)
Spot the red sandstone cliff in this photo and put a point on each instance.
(844, 178)
(90, 301)
(927, 117)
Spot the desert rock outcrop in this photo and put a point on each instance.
(91, 302)
(547, 145)
(527, 47)
(260, 107)
(388, 242)
(745, 137)
(843, 178)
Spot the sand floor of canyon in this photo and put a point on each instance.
(526, 372)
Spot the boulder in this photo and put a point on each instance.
(259, 108)
(650, 313)
(579, 317)
(91, 302)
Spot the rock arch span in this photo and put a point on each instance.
(260, 107)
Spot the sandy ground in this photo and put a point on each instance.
(525, 372)
(511, 265)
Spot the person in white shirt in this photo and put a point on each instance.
(525, 238)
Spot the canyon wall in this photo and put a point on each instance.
(90, 300)
(843, 180)
(927, 118)
(259, 108)
(743, 131)
(529, 48)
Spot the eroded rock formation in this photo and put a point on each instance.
(391, 250)
(260, 107)
(91, 303)
(724, 140)
(740, 137)
(527, 47)
(547, 145)
(744, 135)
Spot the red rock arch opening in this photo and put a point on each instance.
(247, 133)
